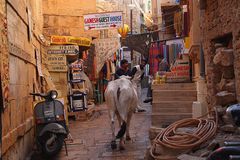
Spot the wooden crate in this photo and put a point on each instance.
(83, 115)
(78, 115)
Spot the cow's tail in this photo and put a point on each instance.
(118, 93)
(122, 131)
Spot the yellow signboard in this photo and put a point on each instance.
(81, 41)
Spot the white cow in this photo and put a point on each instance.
(121, 98)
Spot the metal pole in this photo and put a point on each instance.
(131, 25)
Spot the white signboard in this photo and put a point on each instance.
(103, 21)
(53, 59)
(63, 49)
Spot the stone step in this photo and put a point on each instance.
(164, 119)
(172, 106)
(174, 93)
(175, 98)
(175, 86)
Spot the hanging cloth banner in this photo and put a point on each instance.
(81, 41)
(105, 48)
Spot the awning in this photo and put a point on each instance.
(80, 41)
(138, 42)
(104, 49)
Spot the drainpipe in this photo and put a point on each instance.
(203, 5)
(202, 63)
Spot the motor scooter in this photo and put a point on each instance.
(51, 128)
(231, 149)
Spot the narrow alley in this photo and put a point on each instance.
(69, 68)
(92, 138)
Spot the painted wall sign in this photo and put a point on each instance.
(81, 41)
(55, 68)
(180, 72)
(100, 21)
(56, 59)
(63, 49)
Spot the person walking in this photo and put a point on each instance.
(163, 66)
(123, 70)
(137, 76)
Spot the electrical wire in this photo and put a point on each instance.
(141, 10)
(171, 138)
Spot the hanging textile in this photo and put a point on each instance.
(90, 68)
(178, 23)
(153, 52)
(113, 68)
(105, 48)
(171, 53)
(186, 24)
(171, 50)
(108, 75)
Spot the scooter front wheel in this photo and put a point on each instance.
(52, 143)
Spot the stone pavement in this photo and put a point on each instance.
(92, 138)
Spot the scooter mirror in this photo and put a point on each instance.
(54, 94)
(233, 112)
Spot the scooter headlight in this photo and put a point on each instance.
(54, 94)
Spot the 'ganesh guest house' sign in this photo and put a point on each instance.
(100, 21)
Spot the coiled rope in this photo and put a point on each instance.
(174, 139)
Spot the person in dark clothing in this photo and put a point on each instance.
(123, 70)
(162, 63)
(163, 66)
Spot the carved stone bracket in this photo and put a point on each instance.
(194, 53)
(140, 43)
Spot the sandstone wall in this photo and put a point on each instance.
(20, 67)
(122, 5)
(221, 36)
(63, 17)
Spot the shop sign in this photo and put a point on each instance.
(56, 59)
(81, 41)
(55, 68)
(179, 72)
(77, 65)
(100, 21)
(63, 49)
(76, 76)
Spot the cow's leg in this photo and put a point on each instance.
(129, 117)
(121, 144)
(113, 142)
(119, 119)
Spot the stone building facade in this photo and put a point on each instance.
(221, 41)
(21, 24)
(65, 18)
(123, 5)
